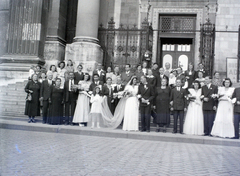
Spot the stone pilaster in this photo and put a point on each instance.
(85, 48)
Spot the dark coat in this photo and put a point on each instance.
(236, 94)
(33, 107)
(78, 77)
(93, 85)
(159, 80)
(191, 77)
(45, 89)
(66, 92)
(178, 98)
(126, 78)
(208, 93)
(102, 76)
(147, 94)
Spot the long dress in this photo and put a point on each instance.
(194, 118)
(83, 107)
(32, 107)
(131, 112)
(56, 106)
(162, 105)
(223, 124)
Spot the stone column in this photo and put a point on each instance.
(85, 48)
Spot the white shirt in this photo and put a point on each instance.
(70, 84)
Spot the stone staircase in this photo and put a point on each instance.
(12, 99)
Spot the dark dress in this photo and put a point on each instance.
(162, 106)
(32, 107)
(56, 106)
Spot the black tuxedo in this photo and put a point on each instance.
(179, 103)
(93, 85)
(146, 92)
(209, 113)
(78, 77)
(236, 94)
(102, 75)
(70, 98)
(159, 80)
(45, 92)
(109, 93)
(117, 88)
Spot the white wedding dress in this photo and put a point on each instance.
(194, 118)
(223, 124)
(131, 112)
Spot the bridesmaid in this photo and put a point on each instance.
(32, 108)
(162, 105)
(56, 104)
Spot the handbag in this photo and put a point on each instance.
(29, 97)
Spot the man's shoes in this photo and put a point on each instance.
(66, 123)
(210, 135)
(43, 122)
(33, 120)
(206, 135)
(181, 133)
(157, 130)
(174, 132)
(235, 138)
(148, 131)
(29, 121)
(142, 130)
(71, 124)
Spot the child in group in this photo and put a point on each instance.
(95, 112)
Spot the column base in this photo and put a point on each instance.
(17, 67)
(86, 53)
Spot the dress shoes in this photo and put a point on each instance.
(142, 130)
(205, 134)
(174, 132)
(235, 138)
(33, 120)
(181, 133)
(29, 121)
(66, 123)
(43, 122)
(148, 131)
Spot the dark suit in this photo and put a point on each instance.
(192, 77)
(93, 85)
(78, 77)
(102, 75)
(126, 77)
(159, 80)
(236, 94)
(45, 93)
(117, 88)
(179, 103)
(109, 93)
(70, 98)
(148, 94)
(209, 113)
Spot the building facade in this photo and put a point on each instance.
(116, 32)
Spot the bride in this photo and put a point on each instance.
(194, 118)
(131, 113)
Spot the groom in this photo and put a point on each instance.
(146, 95)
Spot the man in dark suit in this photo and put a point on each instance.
(79, 75)
(95, 82)
(45, 95)
(127, 75)
(181, 76)
(107, 90)
(118, 88)
(236, 95)
(155, 69)
(160, 76)
(146, 94)
(209, 105)
(70, 97)
(101, 73)
(201, 68)
(178, 103)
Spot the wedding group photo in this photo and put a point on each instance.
(119, 87)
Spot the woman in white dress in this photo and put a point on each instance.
(223, 124)
(131, 112)
(194, 118)
(83, 108)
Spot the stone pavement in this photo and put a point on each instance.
(37, 153)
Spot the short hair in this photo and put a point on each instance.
(80, 65)
(128, 65)
(58, 79)
(71, 62)
(95, 75)
(61, 63)
(86, 74)
(155, 63)
(131, 82)
(109, 78)
(216, 73)
(139, 65)
(227, 79)
(53, 66)
(200, 63)
(198, 82)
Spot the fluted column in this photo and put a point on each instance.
(85, 49)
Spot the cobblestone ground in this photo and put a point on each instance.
(39, 153)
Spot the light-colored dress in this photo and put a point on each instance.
(194, 118)
(131, 112)
(223, 124)
(83, 107)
